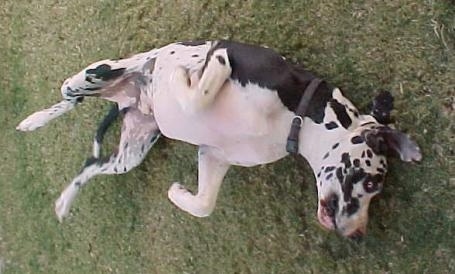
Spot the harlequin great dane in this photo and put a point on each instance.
(242, 105)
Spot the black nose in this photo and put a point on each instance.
(356, 235)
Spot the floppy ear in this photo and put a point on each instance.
(385, 140)
(381, 107)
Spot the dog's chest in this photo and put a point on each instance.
(248, 124)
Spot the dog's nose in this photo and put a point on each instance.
(357, 235)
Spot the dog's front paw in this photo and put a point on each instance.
(180, 77)
(63, 204)
(177, 194)
(186, 201)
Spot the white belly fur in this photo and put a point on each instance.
(248, 125)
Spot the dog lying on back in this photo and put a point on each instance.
(237, 102)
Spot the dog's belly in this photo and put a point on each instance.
(248, 125)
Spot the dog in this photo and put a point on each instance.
(241, 105)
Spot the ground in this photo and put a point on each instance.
(265, 220)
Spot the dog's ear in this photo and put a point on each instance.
(388, 141)
(381, 107)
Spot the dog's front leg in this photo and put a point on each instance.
(211, 171)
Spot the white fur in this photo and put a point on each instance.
(211, 174)
(40, 118)
(96, 149)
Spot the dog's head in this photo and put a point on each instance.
(354, 171)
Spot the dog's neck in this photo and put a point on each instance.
(315, 141)
(325, 128)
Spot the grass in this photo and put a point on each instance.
(265, 218)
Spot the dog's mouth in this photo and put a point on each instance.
(326, 216)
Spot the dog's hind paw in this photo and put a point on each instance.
(40, 118)
(34, 121)
(63, 204)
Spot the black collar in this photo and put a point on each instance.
(292, 145)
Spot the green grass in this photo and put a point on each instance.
(265, 220)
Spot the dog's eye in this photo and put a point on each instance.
(373, 183)
(371, 186)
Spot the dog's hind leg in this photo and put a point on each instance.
(92, 81)
(101, 131)
(211, 171)
(216, 71)
(135, 142)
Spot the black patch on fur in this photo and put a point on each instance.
(89, 79)
(357, 140)
(90, 161)
(335, 145)
(355, 112)
(266, 68)
(329, 176)
(347, 187)
(359, 174)
(192, 43)
(105, 73)
(319, 174)
(356, 162)
(331, 125)
(382, 106)
(346, 160)
(172, 52)
(363, 154)
(341, 113)
(369, 153)
(380, 170)
(351, 179)
(329, 168)
(326, 156)
(367, 162)
(195, 55)
(339, 174)
(353, 206)
(106, 123)
(77, 184)
(92, 89)
(221, 60)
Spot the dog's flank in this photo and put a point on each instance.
(236, 102)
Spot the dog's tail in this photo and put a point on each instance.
(40, 118)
